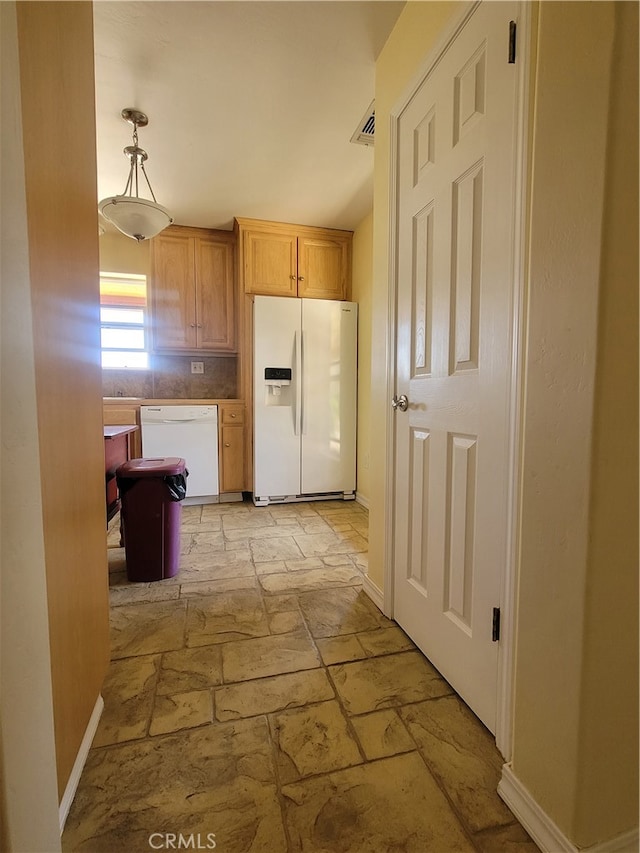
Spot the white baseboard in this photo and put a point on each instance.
(373, 591)
(546, 834)
(626, 843)
(362, 500)
(81, 757)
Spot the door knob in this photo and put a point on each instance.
(400, 402)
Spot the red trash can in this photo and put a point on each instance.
(150, 492)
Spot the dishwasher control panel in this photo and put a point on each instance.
(178, 414)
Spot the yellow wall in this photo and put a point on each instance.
(610, 694)
(122, 254)
(361, 293)
(577, 753)
(415, 33)
(28, 786)
(610, 702)
(570, 103)
(56, 77)
(575, 726)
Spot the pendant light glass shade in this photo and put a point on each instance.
(136, 217)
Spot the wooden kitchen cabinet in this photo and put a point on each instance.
(192, 290)
(231, 438)
(125, 415)
(270, 263)
(294, 260)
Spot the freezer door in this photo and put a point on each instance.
(276, 398)
(329, 396)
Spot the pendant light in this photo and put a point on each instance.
(139, 218)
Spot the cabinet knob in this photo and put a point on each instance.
(300, 278)
(199, 325)
(233, 414)
(193, 325)
(292, 277)
(226, 444)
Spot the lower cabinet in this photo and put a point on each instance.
(232, 467)
(125, 416)
(231, 448)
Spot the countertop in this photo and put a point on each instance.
(116, 431)
(144, 401)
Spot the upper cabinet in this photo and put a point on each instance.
(294, 260)
(269, 261)
(192, 290)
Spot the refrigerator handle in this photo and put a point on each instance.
(297, 345)
(303, 387)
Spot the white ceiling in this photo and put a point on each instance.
(251, 105)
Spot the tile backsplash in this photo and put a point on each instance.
(170, 378)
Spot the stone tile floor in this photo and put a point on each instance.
(261, 697)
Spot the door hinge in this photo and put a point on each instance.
(512, 42)
(495, 625)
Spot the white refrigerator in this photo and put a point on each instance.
(305, 397)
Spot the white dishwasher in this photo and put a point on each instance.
(190, 432)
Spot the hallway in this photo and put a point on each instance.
(260, 697)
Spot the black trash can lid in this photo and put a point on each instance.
(154, 467)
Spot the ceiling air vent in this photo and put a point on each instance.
(366, 128)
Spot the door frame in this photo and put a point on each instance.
(508, 581)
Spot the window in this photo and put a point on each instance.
(123, 308)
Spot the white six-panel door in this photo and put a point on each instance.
(454, 218)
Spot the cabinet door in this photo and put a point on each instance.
(323, 267)
(215, 295)
(173, 293)
(232, 458)
(270, 265)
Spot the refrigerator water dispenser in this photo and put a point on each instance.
(277, 382)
